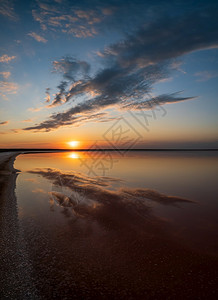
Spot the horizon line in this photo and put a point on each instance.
(107, 149)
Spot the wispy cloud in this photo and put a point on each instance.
(35, 109)
(6, 59)
(5, 86)
(7, 9)
(5, 75)
(47, 97)
(37, 37)
(28, 120)
(205, 75)
(71, 68)
(68, 120)
(80, 114)
(4, 123)
(11, 131)
(17, 130)
(157, 101)
(67, 19)
(85, 19)
(8, 88)
(176, 65)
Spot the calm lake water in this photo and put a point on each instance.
(138, 226)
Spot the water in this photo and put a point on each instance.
(139, 226)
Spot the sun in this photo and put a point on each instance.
(73, 144)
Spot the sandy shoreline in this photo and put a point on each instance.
(15, 271)
(7, 161)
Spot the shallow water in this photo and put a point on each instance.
(141, 225)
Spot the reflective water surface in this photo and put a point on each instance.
(138, 226)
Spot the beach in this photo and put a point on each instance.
(15, 274)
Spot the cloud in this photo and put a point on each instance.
(114, 86)
(47, 93)
(6, 59)
(10, 130)
(7, 9)
(17, 130)
(172, 37)
(5, 86)
(176, 65)
(70, 67)
(28, 120)
(67, 121)
(157, 101)
(205, 75)
(67, 19)
(4, 123)
(130, 67)
(8, 88)
(37, 37)
(60, 96)
(35, 109)
(85, 19)
(5, 75)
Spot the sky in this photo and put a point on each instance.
(108, 74)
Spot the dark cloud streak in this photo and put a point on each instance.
(4, 123)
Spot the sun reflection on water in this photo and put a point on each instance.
(74, 155)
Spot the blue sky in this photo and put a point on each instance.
(70, 70)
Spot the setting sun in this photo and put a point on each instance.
(73, 144)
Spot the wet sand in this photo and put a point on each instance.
(15, 274)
